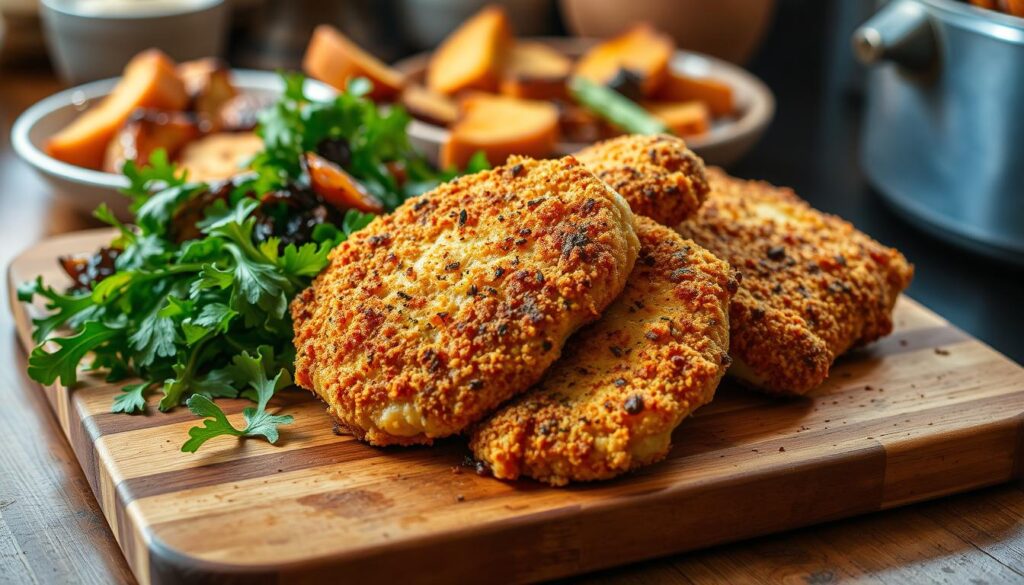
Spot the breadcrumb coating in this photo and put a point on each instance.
(428, 318)
(658, 175)
(625, 382)
(813, 286)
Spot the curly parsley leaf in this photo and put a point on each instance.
(47, 367)
(253, 371)
(216, 423)
(61, 308)
(159, 173)
(132, 398)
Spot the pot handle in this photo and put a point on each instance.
(900, 32)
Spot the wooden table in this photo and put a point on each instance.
(51, 530)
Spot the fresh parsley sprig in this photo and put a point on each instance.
(205, 315)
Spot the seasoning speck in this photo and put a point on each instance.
(634, 404)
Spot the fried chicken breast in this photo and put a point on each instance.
(625, 382)
(430, 317)
(813, 286)
(658, 175)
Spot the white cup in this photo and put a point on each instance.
(94, 39)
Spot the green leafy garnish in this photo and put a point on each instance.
(197, 305)
(374, 137)
(132, 398)
(252, 371)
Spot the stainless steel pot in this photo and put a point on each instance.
(944, 131)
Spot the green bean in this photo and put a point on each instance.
(615, 107)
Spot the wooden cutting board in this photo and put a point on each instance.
(926, 412)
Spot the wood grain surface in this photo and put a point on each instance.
(926, 412)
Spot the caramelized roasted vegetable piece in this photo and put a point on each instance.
(628, 83)
(145, 132)
(535, 71)
(209, 87)
(433, 108)
(334, 59)
(500, 126)
(641, 49)
(471, 57)
(337, 187)
(86, 270)
(680, 88)
(150, 81)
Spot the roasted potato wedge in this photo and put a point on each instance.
(209, 87)
(334, 59)
(535, 71)
(150, 81)
(641, 50)
(501, 126)
(145, 132)
(431, 107)
(471, 57)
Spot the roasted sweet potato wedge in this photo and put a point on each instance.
(500, 126)
(535, 71)
(334, 59)
(681, 88)
(683, 118)
(472, 56)
(209, 87)
(337, 187)
(642, 50)
(145, 132)
(433, 108)
(150, 81)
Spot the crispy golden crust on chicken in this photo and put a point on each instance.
(625, 382)
(813, 286)
(430, 317)
(658, 175)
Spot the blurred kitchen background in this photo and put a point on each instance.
(801, 49)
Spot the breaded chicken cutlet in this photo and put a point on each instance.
(658, 175)
(625, 382)
(428, 318)
(813, 286)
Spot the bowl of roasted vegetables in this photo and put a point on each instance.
(484, 90)
(200, 114)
